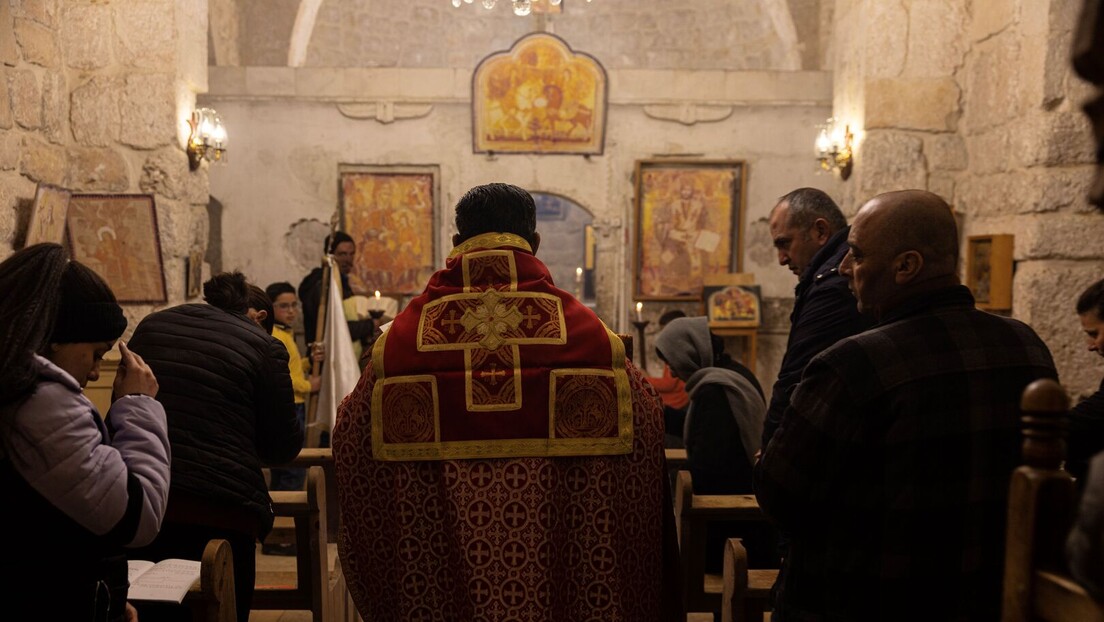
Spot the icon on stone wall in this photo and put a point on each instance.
(539, 97)
(116, 235)
(689, 225)
(194, 274)
(47, 223)
(391, 214)
(732, 301)
(989, 271)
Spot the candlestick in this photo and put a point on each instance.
(639, 309)
(640, 326)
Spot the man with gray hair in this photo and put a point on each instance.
(810, 234)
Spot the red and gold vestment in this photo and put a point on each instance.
(501, 459)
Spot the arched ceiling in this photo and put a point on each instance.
(652, 34)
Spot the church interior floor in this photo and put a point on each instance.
(277, 570)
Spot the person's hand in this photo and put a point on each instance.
(131, 614)
(318, 352)
(758, 454)
(134, 376)
(316, 383)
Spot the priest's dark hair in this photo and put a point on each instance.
(228, 291)
(496, 208)
(331, 242)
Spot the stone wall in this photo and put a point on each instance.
(976, 101)
(654, 34)
(92, 98)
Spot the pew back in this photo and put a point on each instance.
(1042, 502)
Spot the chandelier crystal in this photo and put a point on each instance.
(521, 7)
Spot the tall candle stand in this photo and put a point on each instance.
(642, 347)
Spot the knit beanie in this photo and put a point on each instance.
(87, 311)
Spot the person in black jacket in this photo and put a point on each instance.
(227, 394)
(343, 248)
(810, 234)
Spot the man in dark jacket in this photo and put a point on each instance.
(890, 469)
(227, 395)
(1086, 431)
(343, 249)
(810, 234)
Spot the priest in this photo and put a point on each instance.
(500, 457)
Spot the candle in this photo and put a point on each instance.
(377, 305)
(578, 275)
(639, 308)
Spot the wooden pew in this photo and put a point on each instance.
(308, 512)
(702, 592)
(676, 459)
(1042, 503)
(212, 599)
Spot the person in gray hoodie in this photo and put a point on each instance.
(78, 487)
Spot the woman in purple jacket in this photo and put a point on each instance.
(78, 487)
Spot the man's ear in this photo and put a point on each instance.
(821, 231)
(535, 242)
(262, 315)
(907, 266)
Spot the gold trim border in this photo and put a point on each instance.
(524, 341)
(466, 259)
(378, 444)
(515, 405)
(490, 241)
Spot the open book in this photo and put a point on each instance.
(167, 581)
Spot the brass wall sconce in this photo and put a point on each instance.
(833, 148)
(208, 137)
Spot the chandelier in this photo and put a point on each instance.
(521, 7)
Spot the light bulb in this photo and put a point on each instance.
(522, 7)
(555, 2)
(457, 3)
(823, 143)
(488, 4)
(467, 1)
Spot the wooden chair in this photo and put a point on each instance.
(1042, 503)
(702, 592)
(212, 597)
(308, 511)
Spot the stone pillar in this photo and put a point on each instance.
(977, 102)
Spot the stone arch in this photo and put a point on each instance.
(559, 219)
(301, 32)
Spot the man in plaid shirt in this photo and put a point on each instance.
(890, 469)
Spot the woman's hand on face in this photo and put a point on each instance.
(134, 376)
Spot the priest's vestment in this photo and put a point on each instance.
(500, 458)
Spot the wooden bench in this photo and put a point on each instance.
(212, 598)
(1042, 503)
(308, 513)
(703, 592)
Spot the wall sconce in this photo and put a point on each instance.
(208, 138)
(833, 148)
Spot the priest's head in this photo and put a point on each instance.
(343, 248)
(496, 208)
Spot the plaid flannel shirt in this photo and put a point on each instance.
(890, 469)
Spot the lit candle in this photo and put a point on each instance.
(639, 308)
(578, 275)
(377, 305)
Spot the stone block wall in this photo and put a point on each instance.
(653, 34)
(976, 101)
(92, 98)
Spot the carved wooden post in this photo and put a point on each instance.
(1041, 498)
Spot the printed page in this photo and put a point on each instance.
(167, 581)
(136, 568)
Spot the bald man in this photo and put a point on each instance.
(889, 471)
